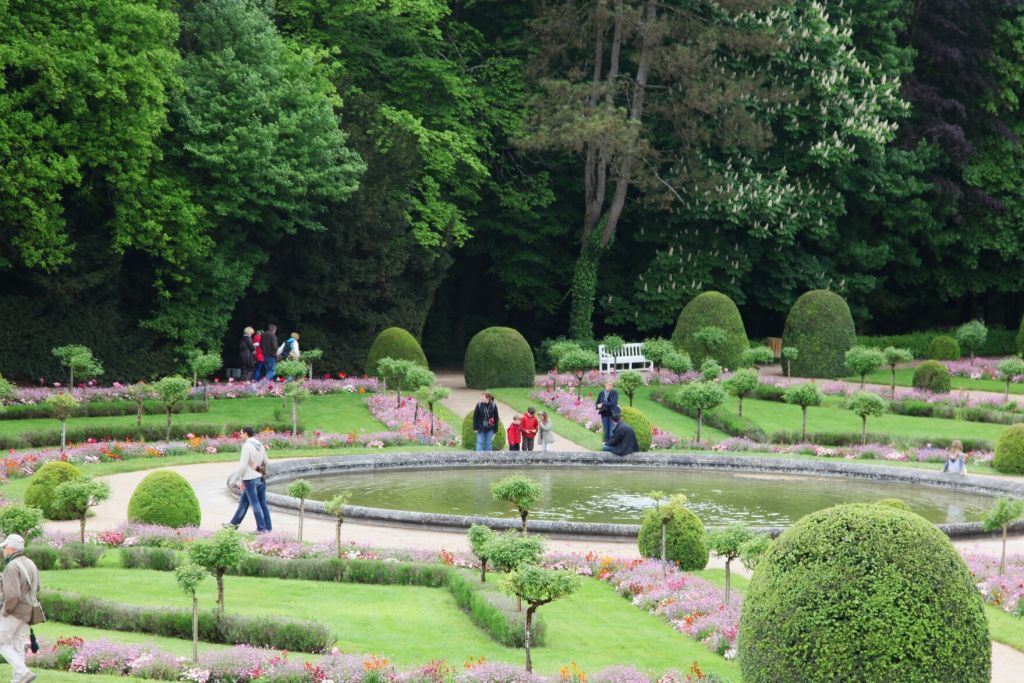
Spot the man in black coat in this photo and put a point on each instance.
(269, 345)
(607, 404)
(622, 441)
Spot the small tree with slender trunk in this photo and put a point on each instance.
(862, 360)
(577, 362)
(805, 396)
(757, 355)
(1001, 516)
(700, 397)
(22, 520)
(866, 404)
(521, 493)
(310, 355)
(972, 336)
(656, 350)
(336, 507)
(78, 360)
(61, 406)
(1009, 370)
(479, 536)
(742, 384)
(726, 544)
(710, 339)
(509, 551)
(292, 370)
(630, 381)
(407, 374)
(789, 354)
(555, 352)
(139, 392)
(429, 396)
(172, 391)
(677, 362)
(203, 365)
(78, 496)
(300, 489)
(538, 587)
(613, 345)
(219, 554)
(665, 514)
(189, 576)
(296, 393)
(893, 357)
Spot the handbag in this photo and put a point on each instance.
(37, 616)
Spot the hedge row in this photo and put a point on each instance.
(102, 409)
(68, 556)
(1000, 342)
(854, 439)
(492, 610)
(918, 408)
(80, 433)
(719, 418)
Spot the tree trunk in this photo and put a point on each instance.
(664, 562)
(138, 415)
(789, 369)
(864, 430)
(195, 628)
(700, 419)
(310, 370)
(398, 393)
(728, 578)
(220, 591)
(483, 571)
(295, 417)
(894, 382)
(81, 529)
(206, 395)
(195, 379)
(529, 624)
(862, 376)
(523, 514)
(431, 406)
(741, 406)
(168, 423)
(803, 433)
(63, 435)
(584, 289)
(71, 382)
(1006, 396)
(337, 536)
(1002, 558)
(302, 514)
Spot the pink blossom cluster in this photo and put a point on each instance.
(411, 419)
(1002, 590)
(980, 368)
(871, 451)
(661, 440)
(580, 410)
(593, 378)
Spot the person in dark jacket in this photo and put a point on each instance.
(607, 405)
(268, 342)
(247, 353)
(623, 439)
(485, 422)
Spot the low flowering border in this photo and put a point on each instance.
(1004, 591)
(408, 417)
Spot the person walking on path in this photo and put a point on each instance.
(247, 354)
(485, 422)
(20, 588)
(257, 354)
(252, 473)
(289, 350)
(547, 431)
(269, 345)
(529, 427)
(607, 405)
(514, 434)
(623, 439)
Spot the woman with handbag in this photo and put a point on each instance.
(20, 609)
(485, 422)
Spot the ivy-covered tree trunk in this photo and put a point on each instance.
(138, 413)
(740, 411)
(431, 407)
(584, 288)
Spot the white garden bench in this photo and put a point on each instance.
(629, 357)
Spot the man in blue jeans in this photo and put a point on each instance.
(251, 473)
(485, 422)
(607, 405)
(268, 342)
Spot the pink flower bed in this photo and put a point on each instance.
(409, 418)
(1004, 591)
(981, 368)
(582, 411)
(871, 451)
(593, 378)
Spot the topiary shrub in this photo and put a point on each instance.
(944, 347)
(932, 376)
(712, 309)
(894, 503)
(685, 539)
(469, 436)
(641, 426)
(394, 342)
(863, 593)
(1009, 456)
(164, 498)
(498, 357)
(820, 327)
(47, 478)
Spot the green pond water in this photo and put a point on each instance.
(608, 494)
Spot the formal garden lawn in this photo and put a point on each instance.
(905, 378)
(595, 627)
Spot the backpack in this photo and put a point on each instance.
(289, 349)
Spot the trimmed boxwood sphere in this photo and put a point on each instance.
(894, 503)
(712, 309)
(394, 342)
(39, 493)
(932, 376)
(164, 498)
(685, 539)
(944, 347)
(863, 593)
(641, 426)
(469, 436)
(820, 326)
(499, 357)
(1009, 456)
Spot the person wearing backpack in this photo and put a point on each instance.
(20, 611)
(290, 349)
(247, 354)
(268, 342)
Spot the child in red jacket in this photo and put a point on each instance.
(514, 434)
(528, 426)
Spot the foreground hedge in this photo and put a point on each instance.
(102, 409)
(39, 438)
(274, 632)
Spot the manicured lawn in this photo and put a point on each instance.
(905, 378)
(412, 625)
(666, 419)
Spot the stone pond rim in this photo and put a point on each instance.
(287, 470)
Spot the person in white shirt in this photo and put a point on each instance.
(289, 350)
(252, 476)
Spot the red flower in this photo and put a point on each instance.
(342, 375)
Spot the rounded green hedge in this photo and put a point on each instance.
(712, 309)
(820, 326)
(641, 427)
(394, 342)
(931, 375)
(499, 357)
(1009, 457)
(39, 493)
(164, 498)
(469, 436)
(863, 593)
(685, 539)
(894, 503)
(944, 347)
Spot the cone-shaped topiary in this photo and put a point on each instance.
(712, 309)
(863, 592)
(498, 357)
(944, 347)
(641, 426)
(39, 493)
(685, 539)
(931, 375)
(394, 342)
(164, 498)
(821, 328)
(1009, 456)
(1020, 337)
(469, 436)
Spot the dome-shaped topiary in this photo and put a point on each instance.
(165, 498)
(712, 309)
(863, 593)
(685, 539)
(1009, 457)
(394, 342)
(944, 347)
(820, 327)
(894, 503)
(641, 426)
(469, 436)
(39, 493)
(932, 376)
(499, 357)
